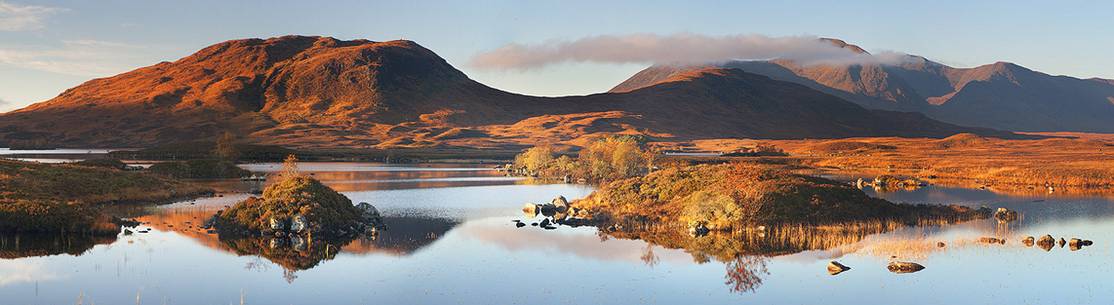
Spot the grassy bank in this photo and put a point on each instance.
(38, 197)
(199, 169)
(968, 160)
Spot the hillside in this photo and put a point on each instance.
(299, 91)
(1000, 95)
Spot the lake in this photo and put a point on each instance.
(451, 240)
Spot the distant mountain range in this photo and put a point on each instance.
(1001, 95)
(323, 92)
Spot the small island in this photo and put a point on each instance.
(297, 206)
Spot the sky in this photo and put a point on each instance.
(49, 46)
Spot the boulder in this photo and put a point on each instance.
(1062, 242)
(1076, 243)
(1004, 214)
(1029, 241)
(547, 209)
(531, 210)
(276, 224)
(298, 224)
(519, 224)
(1046, 242)
(940, 244)
(560, 203)
(698, 228)
(904, 267)
(835, 267)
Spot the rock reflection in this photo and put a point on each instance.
(404, 236)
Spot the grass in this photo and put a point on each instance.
(735, 196)
(38, 197)
(199, 169)
(1083, 162)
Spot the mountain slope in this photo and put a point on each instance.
(1000, 95)
(323, 92)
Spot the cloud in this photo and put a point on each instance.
(75, 57)
(17, 17)
(684, 48)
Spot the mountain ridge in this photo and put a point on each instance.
(1001, 95)
(309, 91)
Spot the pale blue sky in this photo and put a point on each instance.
(48, 46)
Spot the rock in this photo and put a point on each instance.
(298, 243)
(370, 213)
(298, 224)
(1076, 243)
(992, 240)
(1062, 242)
(127, 232)
(547, 209)
(560, 203)
(519, 224)
(835, 267)
(544, 223)
(1028, 241)
(1046, 242)
(904, 267)
(698, 228)
(534, 224)
(277, 224)
(1004, 214)
(531, 210)
(125, 222)
(940, 244)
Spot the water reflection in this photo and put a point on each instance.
(450, 241)
(31, 245)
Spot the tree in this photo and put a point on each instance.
(535, 159)
(226, 148)
(289, 167)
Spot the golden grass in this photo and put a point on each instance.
(1066, 164)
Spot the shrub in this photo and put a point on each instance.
(103, 162)
(199, 169)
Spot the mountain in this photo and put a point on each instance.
(323, 92)
(1000, 95)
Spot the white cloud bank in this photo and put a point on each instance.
(18, 17)
(684, 48)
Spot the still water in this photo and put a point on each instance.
(451, 240)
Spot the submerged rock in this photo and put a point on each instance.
(835, 267)
(992, 240)
(1076, 243)
(1046, 242)
(904, 267)
(1028, 241)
